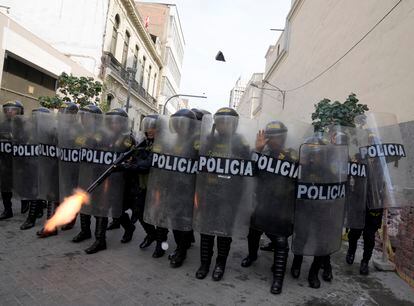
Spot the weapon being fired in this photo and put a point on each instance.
(71, 206)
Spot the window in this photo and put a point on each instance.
(114, 38)
(149, 77)
(109, 99)
(141, 73)
(28, 73)
(153, 86)
(125, 51)
(135, 64)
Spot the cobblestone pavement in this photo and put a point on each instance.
(55, 271)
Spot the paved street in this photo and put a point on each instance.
(55, 271)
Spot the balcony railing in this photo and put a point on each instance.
(116, 66)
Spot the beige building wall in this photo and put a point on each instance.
(18, 43)
(380, 70)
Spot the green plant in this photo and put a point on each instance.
(81, 90)
(337, 113)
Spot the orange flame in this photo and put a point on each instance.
(67, 210)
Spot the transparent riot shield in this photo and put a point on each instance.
(320, 197)
(171, 184)
(356, 199)
(6, 154)
(277, 164)
(25, 156)
(388, 182)
(48, 163)
(70, 139)
(106, 137)
(224, 186)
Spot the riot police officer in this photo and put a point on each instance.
(373, 217)
(213, 193)
(273, 193)
(170, 197)
(136, 171)
(116, 138)
(10, 110)
(24, 133)
(48, 164)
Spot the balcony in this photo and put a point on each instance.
(111, 62)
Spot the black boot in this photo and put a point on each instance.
(279, 264)
(128, 226)
(161, 236)
(148, 240)
(100, 236)
(364, 267)
(7, 203)
(85, 233)
(269, 247)
(313, 277)
(151, 233)
(327, 269)
(223, 249)
(115, 224)
(253, 241)
(39, 209)
(49, 213)
(70, 225)
(31, 217)
(24, 206)
(296, 266)
(206, 252)
(183, 241)
(353, 236)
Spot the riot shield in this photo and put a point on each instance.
(356, 199)
(171, 184)
(388, 183)
(224, 185)
(70, 139)
(320, 197)
(48, 163)
(277, 164)
(105, 138)
(25, 153)
(6, 154)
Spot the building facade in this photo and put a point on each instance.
(318, 33)
(331, 48)
(236, 93)
(29, 67)
(163, 22)
(106, 37)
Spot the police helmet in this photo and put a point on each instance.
(117, 118)
(41, 110)
(182, 121)
(14, 105)
(91, 108)
(68, 108)
(149, 122)
(200, 113)
(275, 128)
(117, 112)
(226, 120)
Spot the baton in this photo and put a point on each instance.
(109, 171)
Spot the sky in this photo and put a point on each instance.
(240, 29)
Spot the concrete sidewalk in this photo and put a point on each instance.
(55, 271)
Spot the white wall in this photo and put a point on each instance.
(72, 27)
(380, 70)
